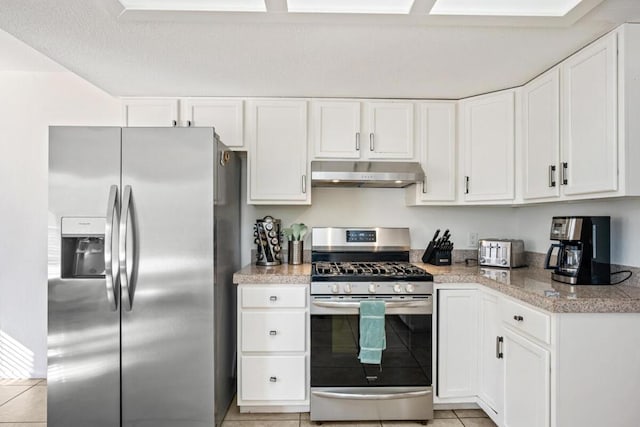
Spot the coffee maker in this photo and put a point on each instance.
(583, 254)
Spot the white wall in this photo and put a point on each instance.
(31, 101)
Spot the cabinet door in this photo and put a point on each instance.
(437, 145)
(488, 142)
(457, 342)
(589, 119)
(390, 126)
(526, 382)
(225, 115)
(541, 136)
(150, 112)
(277, 135)
(491, 367)
(336, 129)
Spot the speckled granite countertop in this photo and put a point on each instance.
(285, 273)
(524, 284)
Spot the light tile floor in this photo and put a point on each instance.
(23, 403)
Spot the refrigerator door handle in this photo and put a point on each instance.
(126, 286)
(112, 210)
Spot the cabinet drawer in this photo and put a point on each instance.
(277, 331)
(274, 296)
(273, 378)
(528, 320)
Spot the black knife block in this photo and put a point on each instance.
(436, 256)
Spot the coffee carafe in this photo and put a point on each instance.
(582, 256)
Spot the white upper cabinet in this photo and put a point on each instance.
(277, 158)
(437, 148)
(541, 136)
(487, 144)
(589, 119)
(335, 129)
(151, 112)
(385, 131)
(389, 130)
(225, 115)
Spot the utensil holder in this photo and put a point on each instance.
(295, 251)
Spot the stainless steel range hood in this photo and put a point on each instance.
(365, 174)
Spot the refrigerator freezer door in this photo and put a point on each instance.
(84, 326)
(168, 330)
(226, 262)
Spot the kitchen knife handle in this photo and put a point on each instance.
(552, 175)
(126, 285)
(371, 142)
(565, 166)
(112, 211)
(357, 141)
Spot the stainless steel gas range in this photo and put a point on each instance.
(350, 265)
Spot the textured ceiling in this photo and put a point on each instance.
(231, 55)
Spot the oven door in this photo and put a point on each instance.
(385, 391)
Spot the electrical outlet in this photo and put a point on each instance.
(473, 240)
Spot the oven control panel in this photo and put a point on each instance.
(372, 288)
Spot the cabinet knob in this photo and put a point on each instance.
(273, 379)
(272, 333)
(273, 298)
(518, 318)
(174, 123)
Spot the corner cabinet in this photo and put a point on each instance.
(487, 137)
(437, 148)
(277, 157)
(273, 348)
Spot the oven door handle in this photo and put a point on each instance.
(388, 304)
(361, 396)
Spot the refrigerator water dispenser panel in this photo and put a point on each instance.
(82, 248)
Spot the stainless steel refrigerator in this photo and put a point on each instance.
(144, 227)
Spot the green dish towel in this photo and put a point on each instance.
(372, 334)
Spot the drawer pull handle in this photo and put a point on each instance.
(273, 332)
(273, 379)
(499, 341)
(273, 298)
(518, 318)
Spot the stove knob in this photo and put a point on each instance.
(347, 288)
(397, 288)
(409, 288)
(503, 262)
(335, 288)
(372, 288)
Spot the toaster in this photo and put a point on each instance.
(501, 253)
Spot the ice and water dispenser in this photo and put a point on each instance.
(82, 248)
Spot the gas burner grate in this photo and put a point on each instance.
(367, 269)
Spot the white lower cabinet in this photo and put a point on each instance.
(457, 342)
(273, 348)
(490, 374)
(535, 368)
(526, 382)
(272, 378)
